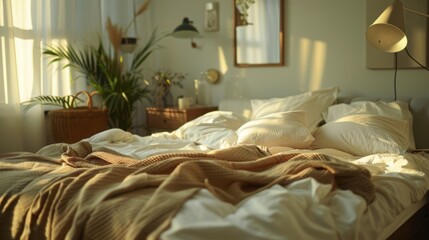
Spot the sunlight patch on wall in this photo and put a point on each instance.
(319, 59)
(223, 65)
(312, 59)
(304, 48)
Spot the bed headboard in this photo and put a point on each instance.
(419, 108)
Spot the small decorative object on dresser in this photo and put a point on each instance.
(171, 118)
(162, 81)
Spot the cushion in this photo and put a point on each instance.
(313, 102)
(214, 129)
(398, 110)
(277, 129)
(113, 135)
(363, 134)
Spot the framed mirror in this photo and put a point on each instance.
(258, 33)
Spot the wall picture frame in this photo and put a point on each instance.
(211, 20)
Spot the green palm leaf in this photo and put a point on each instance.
(120, 90)
(64, 102)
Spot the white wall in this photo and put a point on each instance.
(324, 46)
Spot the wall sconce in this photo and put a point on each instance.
(186, 30)
(387, 33)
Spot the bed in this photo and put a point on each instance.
(308, 166)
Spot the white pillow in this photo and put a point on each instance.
(313, 102)
(212, 129)
(397, 110)
(278, 129)
(224, 119)
(112, 135)
(211, 136)
(363, 134)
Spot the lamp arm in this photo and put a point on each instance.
(416, 12)
(406, 49)
(415, 60)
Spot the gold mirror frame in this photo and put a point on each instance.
(238, 19)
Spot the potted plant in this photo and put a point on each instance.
(119, 88)
(242, 6)
(162, 81)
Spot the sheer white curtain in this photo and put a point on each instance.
(26, 27)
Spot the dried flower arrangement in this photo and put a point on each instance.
(243, 8)
(162, 81)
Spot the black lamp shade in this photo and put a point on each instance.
(185, 30)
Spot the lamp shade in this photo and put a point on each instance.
(185, 30)
(387, 33)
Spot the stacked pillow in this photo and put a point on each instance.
(360, 128)
(363, 128)
(313, 103)
(277, 129)
(214, 129)
(286, 121)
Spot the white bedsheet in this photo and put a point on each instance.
(140, 147)
(301, 210)
(307, 208)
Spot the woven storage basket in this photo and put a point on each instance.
(72, 125)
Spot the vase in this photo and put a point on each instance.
(167, 99)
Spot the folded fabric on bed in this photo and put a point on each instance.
(102, 195)
(215, 129)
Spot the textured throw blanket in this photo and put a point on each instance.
(101, 194)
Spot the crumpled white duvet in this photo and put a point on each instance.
(305, 209)
(141, 147)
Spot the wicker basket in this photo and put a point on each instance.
(72, 125)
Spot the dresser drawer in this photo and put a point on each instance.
(169, 119)
(166, 120)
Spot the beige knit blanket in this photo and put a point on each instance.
(100, 194)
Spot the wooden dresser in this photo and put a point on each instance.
(171, 118)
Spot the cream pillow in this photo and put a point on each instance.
(278, 129)
(112, 135)
(313, 102)
(397, 110)
(363, 134)
(225, 119)
(213, 129)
